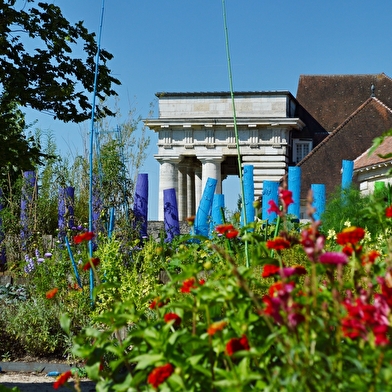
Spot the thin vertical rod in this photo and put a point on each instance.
(235, 126)
(90, 215)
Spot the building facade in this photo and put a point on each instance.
(196, 140)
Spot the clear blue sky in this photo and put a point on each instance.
(179, 46)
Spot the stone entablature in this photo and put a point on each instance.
(196, 140)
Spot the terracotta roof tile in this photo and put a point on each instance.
(331, 99)
(368, 160)
(354, 136)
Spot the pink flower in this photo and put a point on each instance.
(333, 258)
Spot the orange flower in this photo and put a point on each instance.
(62, 379)
(86, 236)
(350, 235)
(95, 261)
(51, 293)
(215, 327)
(278, 243)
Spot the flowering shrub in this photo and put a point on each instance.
(319, 321)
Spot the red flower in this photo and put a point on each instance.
(237, 344)
(348, 250)
(278, 243)
(86, 236)
(95, 261)
(333, 258)
(160, 374)
(51, 293)
(294, 270)
(189, 284)
(280, 287)
(388, 212)
(286, 196)
(231, 234)
(269, 270)
(350, 235)
(370, 257)
(168, 317)
(228, 230)
(62, 379)
(156, 303)
(273, 208)
(215, 327)
(222, 229)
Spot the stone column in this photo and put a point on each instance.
(182, 195)
(190, 184)
(211, 167)
(168, 178)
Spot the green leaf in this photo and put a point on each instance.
(146, 360)
(65, 322)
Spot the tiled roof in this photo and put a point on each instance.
(348, 141)
(365, 159)
(331, 99)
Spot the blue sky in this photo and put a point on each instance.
(179, 46)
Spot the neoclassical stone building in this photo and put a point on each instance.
(197, 140)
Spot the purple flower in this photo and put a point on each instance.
(40, 260)
(48, 255)
(333, 258)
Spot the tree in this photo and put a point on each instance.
(50, 77)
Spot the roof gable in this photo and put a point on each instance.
(331, 99)
(354, 136)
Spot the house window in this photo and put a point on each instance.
(301, 148)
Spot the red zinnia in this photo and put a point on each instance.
(215, 327)
(269, 270)
(350, 235)
(86, 236)
(160, 374)
(51, 293)
(388, 212)
(95, 261)
(222, 229)
(156, 303)
(370, 257)
(188, 285)
(278, 243)
(168, 317)
(62, 379)
(228, 230)
(237, 344)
